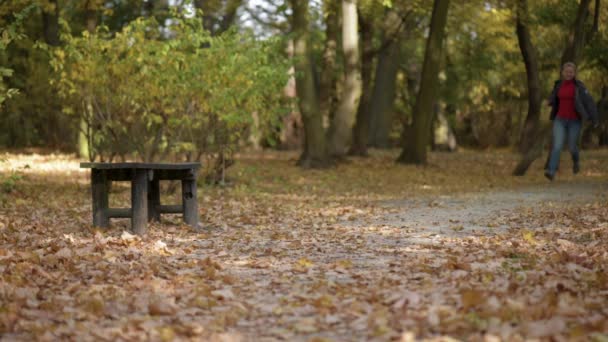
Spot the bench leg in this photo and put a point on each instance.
(139, 201)
(153, 200)
(189, 202)
(99, 190)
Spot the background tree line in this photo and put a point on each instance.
(162, 79)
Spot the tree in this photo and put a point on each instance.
(340, 132)
(315, 154)
(578, 37)
(383, 92)
(531, 130)
(530, 57)
(218, 15)
(415, 145)
(7, 35)
(328, 80)
(362, 123)
(50, 23)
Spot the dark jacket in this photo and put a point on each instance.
(583, 102)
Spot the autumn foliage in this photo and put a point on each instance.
(368, 250)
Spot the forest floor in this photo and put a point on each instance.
(367, 250)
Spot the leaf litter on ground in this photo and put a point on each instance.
(288, 254)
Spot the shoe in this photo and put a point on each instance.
(549, 175)
(576, 168)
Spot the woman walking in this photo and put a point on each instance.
(571, 104)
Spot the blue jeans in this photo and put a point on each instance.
(561, 129)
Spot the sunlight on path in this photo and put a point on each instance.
(39, 163)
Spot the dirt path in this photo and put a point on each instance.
(338, 281)
(483, 213)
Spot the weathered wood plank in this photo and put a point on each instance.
(151, 166)
(139, 201)
(170, 209)
(119, 174)
(154, 200)
(99, 190)
(120, 212)
(189, 201)
(173, 174)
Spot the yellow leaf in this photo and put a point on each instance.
(528, 236)
(305, 263)
(346, 264)
(166, 334)
(324, 302)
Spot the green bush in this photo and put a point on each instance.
(7, 35)
(154, 94)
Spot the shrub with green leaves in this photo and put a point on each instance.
(7, 35)
(156, 93)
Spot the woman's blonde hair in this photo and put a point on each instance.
(569, 64)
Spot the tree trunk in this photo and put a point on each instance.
(361, 130)
(341, 128)
(84, 148)
(218, 18)
(50, 23)
(292, 129)
(230, 15)
(444, 138)
(328, 96)
(415, 146)
(528, 52)
(541, 139)
(91, 18)
(577, 37)
(383, 93)
(383, 96)
(602, 110)
(315, 151)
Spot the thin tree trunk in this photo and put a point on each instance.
(328, 97)
(315, 151)
(216, 18)
(91, 17)
(444, 138)
(340, 132)
(415, 146)
(50, 23)
(443, 135)
(52, 129)
(596, 19)
(361, 130)
(229, 16)
(602, 108)
(292, 131)
(528, 52)
(578, 37)
(536, 149)
(84, 147)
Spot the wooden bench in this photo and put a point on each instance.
(145, 192)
